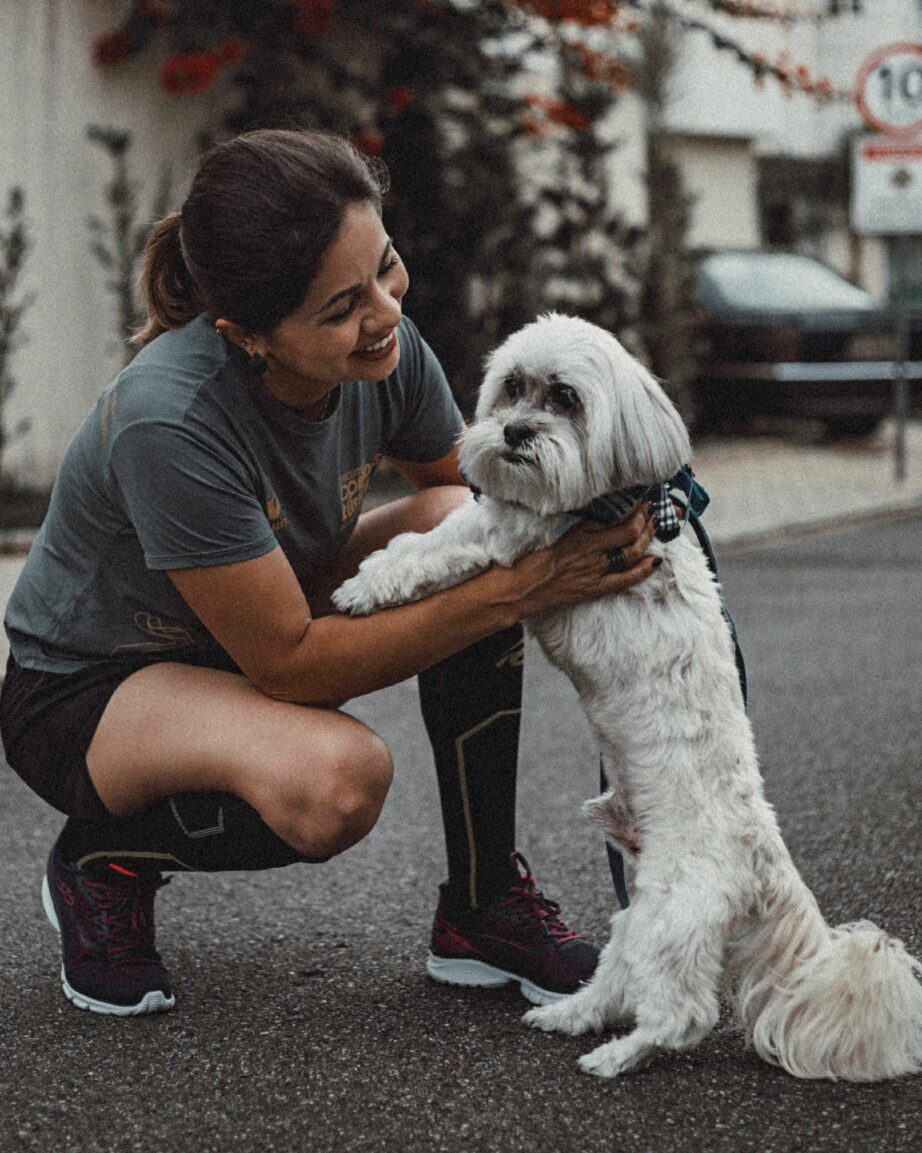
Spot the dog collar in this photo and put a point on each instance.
(613, 505)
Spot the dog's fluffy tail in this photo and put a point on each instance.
(843, 1003)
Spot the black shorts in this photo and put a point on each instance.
(47, 721)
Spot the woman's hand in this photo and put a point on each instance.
(580, 566)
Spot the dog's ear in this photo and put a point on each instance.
(650, 440)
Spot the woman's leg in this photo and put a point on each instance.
(471, 706)
(198, 770)
(317, 777)
(492, 924)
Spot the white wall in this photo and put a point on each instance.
(720, 174)
(49, 93)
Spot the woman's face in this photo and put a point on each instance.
(345, 328)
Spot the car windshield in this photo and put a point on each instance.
(777, 282)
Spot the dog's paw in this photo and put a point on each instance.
(599, 1063)
(380, 582)
(616, 1057)
(568, 1016)
(356, 596)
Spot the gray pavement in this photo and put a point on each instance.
(304, 1021)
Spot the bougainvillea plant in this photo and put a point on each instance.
(478, 144)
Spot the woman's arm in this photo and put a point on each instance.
(429, 473)
(257, 612)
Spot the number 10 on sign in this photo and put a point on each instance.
(889, 89)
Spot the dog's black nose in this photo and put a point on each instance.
(517, 432)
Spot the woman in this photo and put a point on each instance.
(175, 669)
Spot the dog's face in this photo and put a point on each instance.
(566, 414)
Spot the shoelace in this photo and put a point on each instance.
(525, 900)
(127, 914)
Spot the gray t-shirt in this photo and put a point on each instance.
(186, 461)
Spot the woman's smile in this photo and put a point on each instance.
(380, 349)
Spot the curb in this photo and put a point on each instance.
(784, 534)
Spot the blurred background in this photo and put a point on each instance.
(683, 172)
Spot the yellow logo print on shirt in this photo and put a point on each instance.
(353, 485)
(274, 512)
(166, 635)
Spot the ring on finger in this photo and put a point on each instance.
(617, 561)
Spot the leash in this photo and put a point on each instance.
(682, 489)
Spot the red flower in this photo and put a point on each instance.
(186, 75)
(557, 112)
(397, 100)
(230, 51)
(315, 17)
(568, 116)
(535, 127)
(370, 143)
(589, 13)
(111, 49)
(602, 68)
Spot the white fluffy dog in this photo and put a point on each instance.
(565, 414)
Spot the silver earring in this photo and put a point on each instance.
(258, 363)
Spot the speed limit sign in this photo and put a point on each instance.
(889, 89)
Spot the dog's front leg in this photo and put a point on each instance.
(598, 1005)
(414, 565)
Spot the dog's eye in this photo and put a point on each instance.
(565, 397)
(512, 387)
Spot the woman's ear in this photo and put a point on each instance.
(242, 337)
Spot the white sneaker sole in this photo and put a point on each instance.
(480, 975)
(153, 1002)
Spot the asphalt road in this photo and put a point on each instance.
(304, 1020)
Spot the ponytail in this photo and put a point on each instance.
(169, 290)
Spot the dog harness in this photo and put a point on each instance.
(612, 506)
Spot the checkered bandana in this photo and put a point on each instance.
(613, 505)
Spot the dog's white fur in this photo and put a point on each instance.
(715, 891)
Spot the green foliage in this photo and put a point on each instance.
(14, 247)
(119, 242)
(584, 258)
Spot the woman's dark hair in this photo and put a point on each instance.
(262, 211)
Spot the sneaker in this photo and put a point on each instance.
(518, 937)
(105, 916)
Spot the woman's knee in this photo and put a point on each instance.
(355, 804)
(342, 803)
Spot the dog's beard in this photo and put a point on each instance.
(549, 474)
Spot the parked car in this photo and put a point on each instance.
(785, 335)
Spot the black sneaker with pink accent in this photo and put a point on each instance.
(518, 937)
(105, 916)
